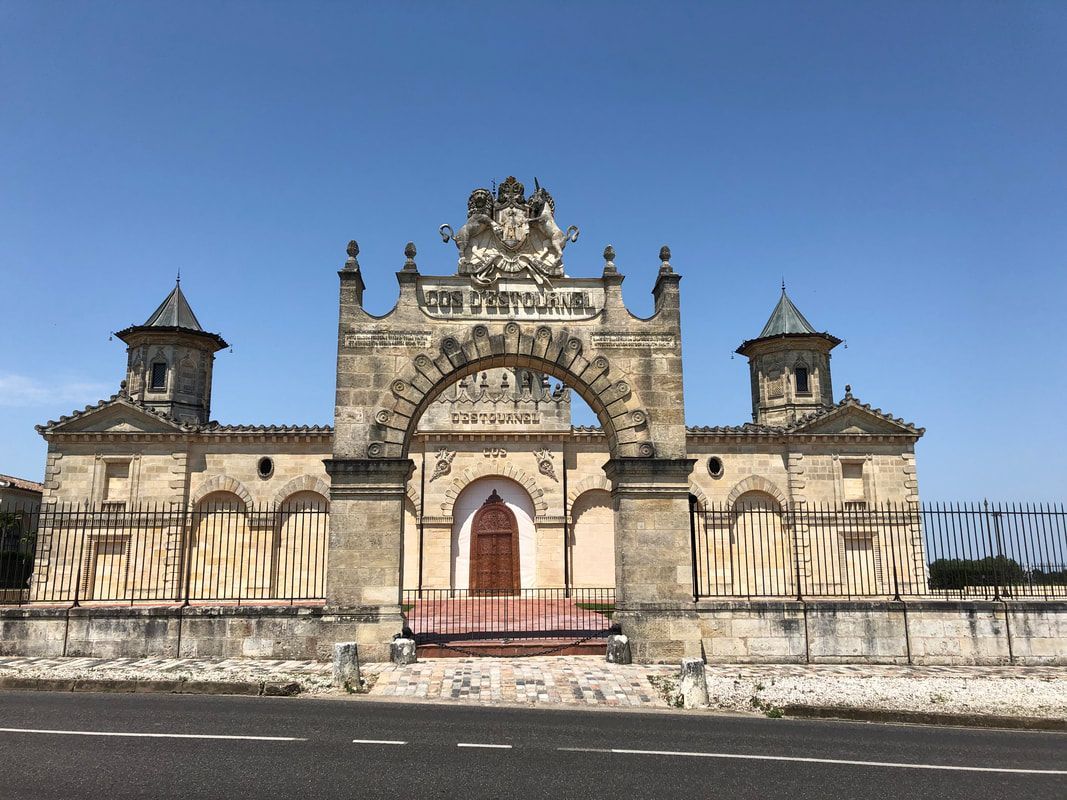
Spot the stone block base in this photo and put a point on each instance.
(848, 632)
(276, 632)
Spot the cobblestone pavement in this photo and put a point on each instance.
(590, 681)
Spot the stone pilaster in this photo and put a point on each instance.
(364, 571)
(653, 556)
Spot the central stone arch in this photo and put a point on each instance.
(556, 353)
(508, 305)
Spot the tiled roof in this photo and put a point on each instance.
(10, 481)
(211, 427)
(747, 428)
(118, 398)
(849, 401)
(215, 427)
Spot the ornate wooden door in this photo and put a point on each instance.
(494, 548)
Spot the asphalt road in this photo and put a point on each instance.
(305, 748)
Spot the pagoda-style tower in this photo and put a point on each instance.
(790, 366)
(169, 361)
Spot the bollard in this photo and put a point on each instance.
(346, 666)
(618, 649)
(693, 684)
(402, 651)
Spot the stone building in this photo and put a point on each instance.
(498, 440)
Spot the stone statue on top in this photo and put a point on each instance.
(510, 236)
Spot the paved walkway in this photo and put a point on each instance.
(590, 681)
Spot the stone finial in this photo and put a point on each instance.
(665, 259)
(353, 250)
(609, 261)
(409, 253)
(848, 391)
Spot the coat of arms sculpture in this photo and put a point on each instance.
(510, 235)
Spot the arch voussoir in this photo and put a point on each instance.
(222, 483)
(757, 483)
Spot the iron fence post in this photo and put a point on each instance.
(989, 540)
(796, 549)
(693, 546)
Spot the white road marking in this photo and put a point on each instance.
(377, 741)
(157, 735)
(490, 746)
(753, 757)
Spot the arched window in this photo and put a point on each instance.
(800, 374)
(158, 379)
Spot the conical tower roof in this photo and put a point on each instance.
(786, 318)
(174, 312)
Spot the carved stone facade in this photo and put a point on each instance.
(464, 389)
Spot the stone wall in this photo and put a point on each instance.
(870, 632)
(737, 631)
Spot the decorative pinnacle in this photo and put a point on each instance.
(353, 251)
(848, 391)
(665, 261)
(609, 261)
(410, 252)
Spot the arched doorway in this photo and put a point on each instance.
(494, 560)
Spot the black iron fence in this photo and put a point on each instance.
(231, 553)
(977, 550)
(162, 553)
(448, 615)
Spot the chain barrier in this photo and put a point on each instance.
(546, 652)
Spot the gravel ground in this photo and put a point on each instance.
(1010, 691)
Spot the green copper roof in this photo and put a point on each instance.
(174, 312)
(786, 318)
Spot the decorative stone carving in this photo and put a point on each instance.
(544, 464)
(510, 236)
(444, 463)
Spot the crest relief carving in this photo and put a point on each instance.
(544, 464)
(510, 235)
(443, 466)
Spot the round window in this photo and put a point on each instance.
(265, 467)
(715, 468)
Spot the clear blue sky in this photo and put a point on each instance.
(902, 165)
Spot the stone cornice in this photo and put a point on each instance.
(326, 437)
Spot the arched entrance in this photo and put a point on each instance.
(510, 305)
(494, 560)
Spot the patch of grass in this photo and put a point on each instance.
(759, 704)
(607, 609)
(667, 689)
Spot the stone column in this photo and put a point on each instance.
(653, 557)
(364, 567)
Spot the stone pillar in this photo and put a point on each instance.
(364, 565)
(653, 557)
